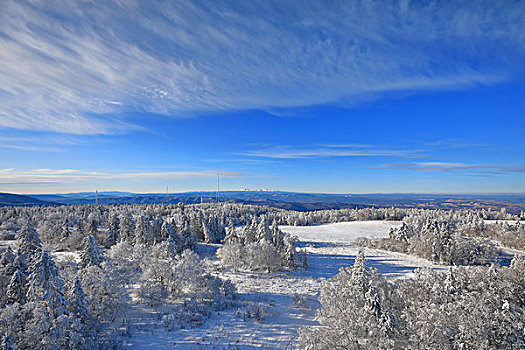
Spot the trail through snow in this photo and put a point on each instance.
(288, 299)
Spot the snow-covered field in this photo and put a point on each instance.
(287, 301)
(491, 222)
(341, 232)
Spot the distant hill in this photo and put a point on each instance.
(10, 199)
(302, 201)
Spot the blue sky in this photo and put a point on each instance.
(343, 97)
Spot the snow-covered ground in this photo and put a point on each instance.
(341, 232)
(288, 300)
(490, 222)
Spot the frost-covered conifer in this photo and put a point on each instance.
(250, 232)
(172, 247)
(188, 237)
(353, 313)
(143, 234)
(78, 303)
(231, 235)
(16, 289)
(263, 230)
(207, 233)
(126, 225)
(263, 256)
(156, 230)
(91, 256)
(46, 285)
(20, 261)
(113, 230)
(7, 343)
(6, 261)
(29, 241)
(92, 228)
(166, 230)
(277, 236)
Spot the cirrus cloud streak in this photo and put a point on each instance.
(82, 67)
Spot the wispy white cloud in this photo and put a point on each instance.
(29, 148)
(327, 151)
(453, 166)
(78, 67)
(61, 176)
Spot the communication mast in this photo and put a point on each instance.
(96, 197)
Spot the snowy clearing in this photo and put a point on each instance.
(341, 232)
(284, 302)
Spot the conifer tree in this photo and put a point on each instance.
(29, 241)
(6, 261)
(263, 230)
(166, 230)
(16, 289)
(143, 234)
(91, 256)
(231, 234)
(188, 237)
(78, 303)
(46, 285)
(20, 261)
(125, 227)
(113, 231)
(7, 343)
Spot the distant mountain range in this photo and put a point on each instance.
(20, 200)
(286, 200)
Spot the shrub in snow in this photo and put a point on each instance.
(256, 311)
(509, 235)
(182, 279)
(106, 290)
(263, 256)
(191, 314)
(152, 293)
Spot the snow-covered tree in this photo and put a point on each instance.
(126, 227)
(113, 230)
(46, 285)
(29, 241)
(263, 230)
(7, 343)
(16, 292)
(78, 302)
(354, 313)
(7, 260)
(91, 255)
(166, 230)
(188, 237)
(143, 233)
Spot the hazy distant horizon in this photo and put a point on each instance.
(213, 191)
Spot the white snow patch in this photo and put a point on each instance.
(341, 232)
